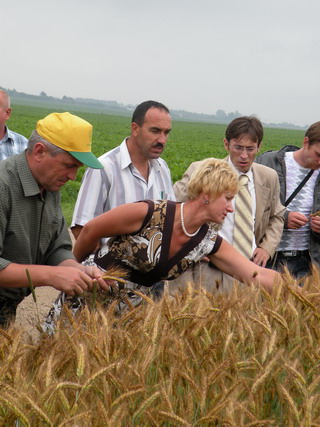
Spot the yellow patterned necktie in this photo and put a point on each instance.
(243, 219)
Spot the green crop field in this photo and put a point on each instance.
(189, 141)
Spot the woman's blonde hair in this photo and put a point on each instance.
(212, 177)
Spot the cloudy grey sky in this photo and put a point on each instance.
(256, 56)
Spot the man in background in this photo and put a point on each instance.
(33, 233)
(242, 141)
(132, 171)
(300, 243)
(10, 142)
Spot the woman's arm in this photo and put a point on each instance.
(230, 261)
(124, 219)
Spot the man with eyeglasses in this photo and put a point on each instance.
(298, 168)
(242, 141)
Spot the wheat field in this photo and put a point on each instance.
(192, 359)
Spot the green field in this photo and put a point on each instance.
(189, 141)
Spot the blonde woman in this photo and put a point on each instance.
(159, 240)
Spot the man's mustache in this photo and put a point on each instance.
(158, 145)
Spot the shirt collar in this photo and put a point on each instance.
(28, 182)
(126, 161)
(7, 137)
(125, 158)
(10, 136)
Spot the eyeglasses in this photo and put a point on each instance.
(239, 149)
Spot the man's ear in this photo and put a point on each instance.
(8, 114)
(39, 150)
(226, 144)
(134, 129)
(306, 142)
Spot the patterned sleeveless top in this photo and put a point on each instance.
(145, 253)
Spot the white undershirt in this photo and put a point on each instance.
(298, 239)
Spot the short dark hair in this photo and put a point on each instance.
(141, 110)
(250, 125)
(313, 133)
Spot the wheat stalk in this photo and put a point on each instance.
(81, 416)
(17, 411)
(6, 335)
(173, 417)
(38, 411)
(145, 405)
(81, 361)
(290, 401)
(125, 396)
(267, 370)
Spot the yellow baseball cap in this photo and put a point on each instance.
(72, 134)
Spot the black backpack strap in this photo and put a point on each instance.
(296, 191)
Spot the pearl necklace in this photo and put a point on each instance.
(182, 224)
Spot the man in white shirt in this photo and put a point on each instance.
(242, 141)
(300, 243)
(132, 171)
(10, 142)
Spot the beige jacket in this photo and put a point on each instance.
(269, 217)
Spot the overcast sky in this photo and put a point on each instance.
(256, 56)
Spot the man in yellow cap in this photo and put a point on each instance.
(33, 233)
